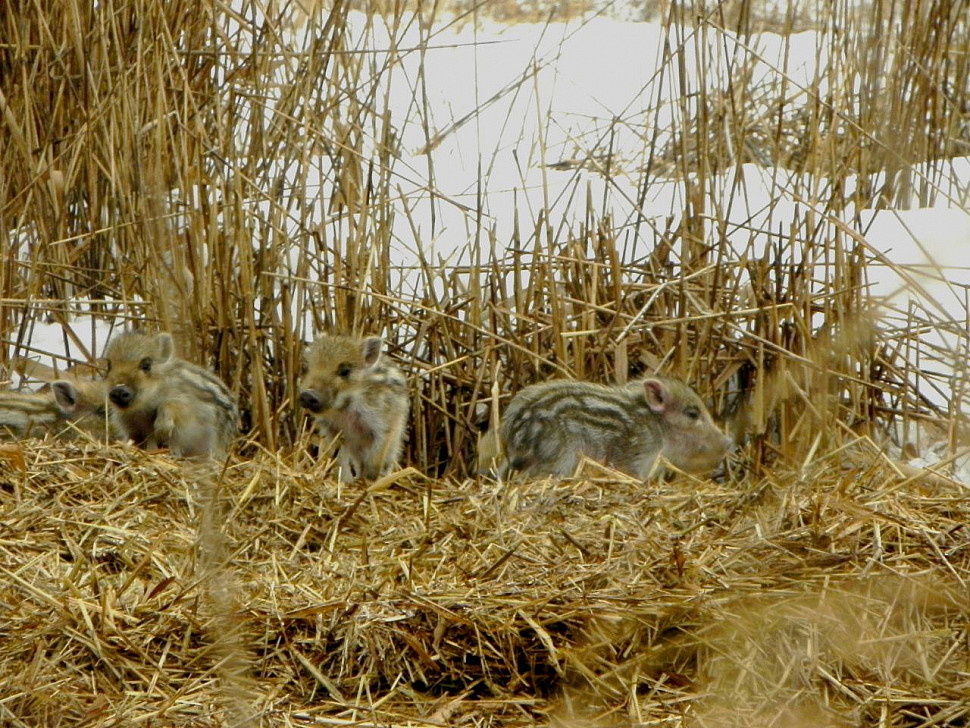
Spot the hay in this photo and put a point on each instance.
(140, 590)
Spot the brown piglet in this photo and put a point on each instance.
(65, 409)
(357, 395)
(161, 401)
(548, 428)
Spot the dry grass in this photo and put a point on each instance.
(138, 590)
(817, 583)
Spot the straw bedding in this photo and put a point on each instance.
(139, 590)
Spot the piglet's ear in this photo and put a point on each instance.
(66, 395)
(658, 396)
(372, 350)
(165, 348)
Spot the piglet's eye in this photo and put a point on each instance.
(145, 364)
(344, 370)
(693, 413)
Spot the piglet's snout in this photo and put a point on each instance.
(121, 395)
(311, 400)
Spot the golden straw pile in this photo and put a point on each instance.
(140, 590)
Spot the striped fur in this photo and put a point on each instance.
(159, 400)
(549, 428)
(355, 393)
(66, 409)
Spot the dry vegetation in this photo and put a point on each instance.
(829, 597)
(817, 583)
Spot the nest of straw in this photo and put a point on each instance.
(142, 590)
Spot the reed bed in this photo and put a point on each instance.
(190, 167)
(165, 168)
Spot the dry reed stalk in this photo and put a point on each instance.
(153, 196)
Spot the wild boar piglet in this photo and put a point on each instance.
(549, 427)
(65, 409)
(161, 401)
(357, 395)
